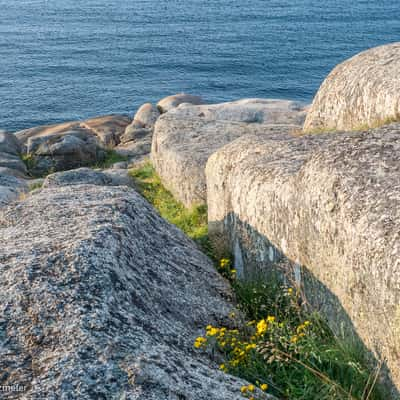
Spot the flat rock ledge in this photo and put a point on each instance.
(100, 298)
(186, 136)
(362, 91)
(325, 211)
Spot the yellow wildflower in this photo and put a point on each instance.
(250, 388)
(270, 318)
(251, 346)
(212, 331)
(262, 327)
(264, 387)
(243, 389)
(294, 339)
(199, 342)
(290, 290)
(222, 367)
(232, 315)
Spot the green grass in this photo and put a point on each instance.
(29, 161)
(34, 186)
(320, 365)
(193, 222)
(111, 158)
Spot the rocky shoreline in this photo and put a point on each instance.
(99, 293)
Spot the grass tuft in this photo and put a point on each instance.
(111, 158)
(191, 221)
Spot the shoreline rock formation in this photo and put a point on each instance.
(100, 298)
(98, 292)
(327, 206)
(360, 92)
(185, 137)
(12, 169)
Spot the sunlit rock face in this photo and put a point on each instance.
(101, 298)
(363, 91)
(324, 210)
(185, 137)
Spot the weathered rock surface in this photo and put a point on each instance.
(330, 204)
(72, 144)
(147, 114)
(70, 150)
(11, 189)
(107, 129)
(9, 144)
(362, 91)
(186, 136)
(88, 176)
(12, 169)
(170, 102)
(135, 143)
(101, 298)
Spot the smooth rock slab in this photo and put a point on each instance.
(107, 129)
(330, 204)
(100, 298)
(88, 176)
(362, 91)
(184, 138)
(171, 102)
(147, 114)
(9, 144)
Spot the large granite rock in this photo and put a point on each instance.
(170, 102)
(186, 136)
(101, 298)
(362, 91)
(328, 207)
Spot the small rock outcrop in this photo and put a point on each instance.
(101, 298)
(12, 169)
(326, 206)
(147, 114)
(170, 102)
(72, 144)
(185, 137)
(136, 140)
(11, 188)
(362, 91)
(88, 176)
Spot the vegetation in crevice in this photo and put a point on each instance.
(111, 157)
(193, 222)
(280, 347)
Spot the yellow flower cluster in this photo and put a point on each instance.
(199, 342)
(248, 390)
(226, 270)
(241, 348)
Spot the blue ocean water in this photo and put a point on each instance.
(67, 59)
